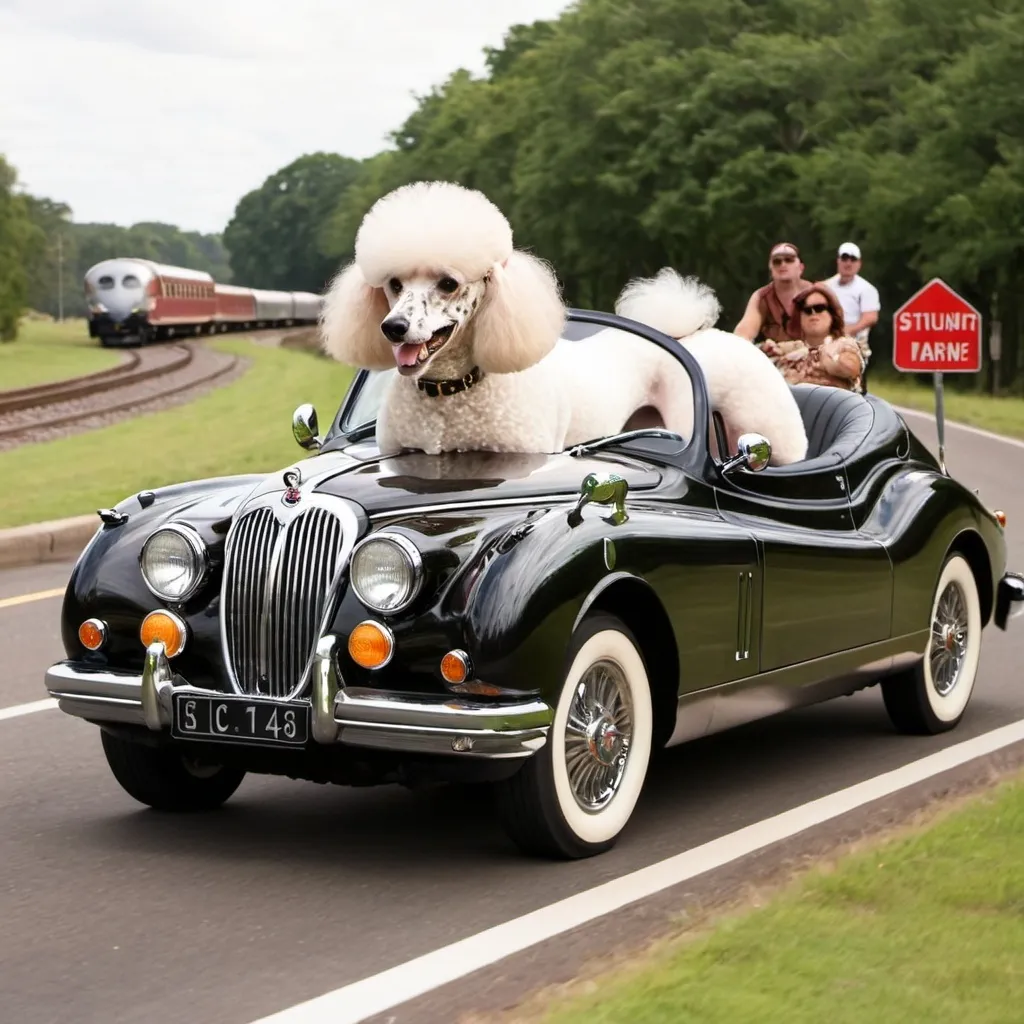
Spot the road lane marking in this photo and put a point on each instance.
(17, 710)
(962, 426)
(380, 992)
(39, 595)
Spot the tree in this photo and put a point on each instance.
(275, 236)
(20, 241)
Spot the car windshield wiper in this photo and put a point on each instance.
(613, 439)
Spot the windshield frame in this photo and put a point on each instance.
(694, 455)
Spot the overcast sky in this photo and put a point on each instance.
(171, 110)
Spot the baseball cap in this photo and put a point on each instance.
(849, 249)
(784, 249)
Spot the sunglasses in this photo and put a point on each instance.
(777, 261)
(817, 307)
(847, 258)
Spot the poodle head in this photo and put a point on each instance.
(436, 284)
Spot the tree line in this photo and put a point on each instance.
(44, 254)
(626, 135)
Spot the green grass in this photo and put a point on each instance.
(46, 351)
(927, 926)
(1002, 415)
(241, 428)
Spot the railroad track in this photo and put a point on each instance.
(147, 377)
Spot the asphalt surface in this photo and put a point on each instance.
(110, 912)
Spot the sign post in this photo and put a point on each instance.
(937, 331)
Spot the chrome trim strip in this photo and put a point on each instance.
(373, 718)
(156, 686)
(540, 499)
(359, 717)
(552, 497)
(325, 690)
(717, 708)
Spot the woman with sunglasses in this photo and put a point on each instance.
(823, 355)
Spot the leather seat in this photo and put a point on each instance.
(837, 421)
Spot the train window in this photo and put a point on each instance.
(130, 281)
(106, 282)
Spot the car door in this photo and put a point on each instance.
(826, 587)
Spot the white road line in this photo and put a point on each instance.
(961, 426)
(17, 710)
(39, 595)
(380, 992)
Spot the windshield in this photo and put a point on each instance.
(363, 404)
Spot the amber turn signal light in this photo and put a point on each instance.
(1000, 517)
(92, 634)
(370, 645)
(455, 667)
(165, 627)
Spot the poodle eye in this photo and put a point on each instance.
(448, 284)
(395, 285)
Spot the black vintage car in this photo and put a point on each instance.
(537, 623)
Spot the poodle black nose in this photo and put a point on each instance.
(395, 328)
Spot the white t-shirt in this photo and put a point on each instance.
(857, 298)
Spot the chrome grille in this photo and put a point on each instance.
(277, 582)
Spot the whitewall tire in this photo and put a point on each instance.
(933, 697)
(574, 797)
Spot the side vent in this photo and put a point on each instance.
(744, 600)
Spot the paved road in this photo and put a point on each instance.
(111, 913)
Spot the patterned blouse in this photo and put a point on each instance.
(836, 362)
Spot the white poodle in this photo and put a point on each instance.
(474, 327)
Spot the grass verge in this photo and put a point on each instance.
(925, 926)
(241, 428)
(1001, 415)
(46, 351)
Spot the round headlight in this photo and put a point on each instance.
(386, 572)
(174, 561)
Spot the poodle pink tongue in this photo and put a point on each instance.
(406, 355)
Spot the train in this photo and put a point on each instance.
(135, 301)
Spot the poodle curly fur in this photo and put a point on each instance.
(437, 289)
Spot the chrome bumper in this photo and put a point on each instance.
(356, 717)
(1009, 598)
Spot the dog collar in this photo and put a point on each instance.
(437, 388)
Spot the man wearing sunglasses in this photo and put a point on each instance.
(769, 311)
(858, 297)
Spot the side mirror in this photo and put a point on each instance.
(754, 453)
(304, 427)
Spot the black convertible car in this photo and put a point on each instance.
(537, 623)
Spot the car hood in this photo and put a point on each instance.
(415, 480)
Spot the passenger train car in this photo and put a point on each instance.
(135, 301)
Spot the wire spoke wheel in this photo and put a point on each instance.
(949, 639)
(933, 696)
(574, 796)
(598, 733)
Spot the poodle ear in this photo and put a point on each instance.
(350, 322)
(521, 317)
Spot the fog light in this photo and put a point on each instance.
(370, 645)
(92, 634)
(165, 627)
(460, 744)
(455, 667)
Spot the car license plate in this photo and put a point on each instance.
(240, 719)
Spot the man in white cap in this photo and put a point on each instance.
(858, 297)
